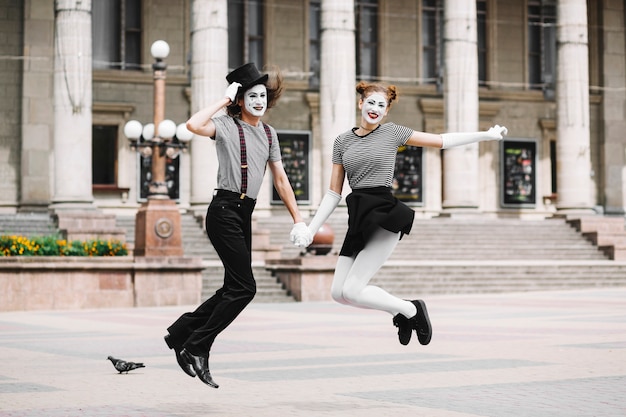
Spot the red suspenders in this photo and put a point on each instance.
(244, 156)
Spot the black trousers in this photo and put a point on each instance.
(229, 226)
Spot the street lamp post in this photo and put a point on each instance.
(157, 224)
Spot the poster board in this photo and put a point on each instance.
(295, 149)
(519, 173)
(408, 184)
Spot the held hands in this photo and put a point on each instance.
(304, 235)
(301, 235)
(231, 91)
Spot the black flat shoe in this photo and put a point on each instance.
(404, 328)
(201, 366)
(186, 367)
(421, 323)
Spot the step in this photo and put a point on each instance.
(497, 277)
(604, 238)
(27, 224)
(268, 288)
(586, 224)
(615, 252)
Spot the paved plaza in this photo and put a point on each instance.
(553, 354)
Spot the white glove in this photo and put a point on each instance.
(327, 206)
(231, 91)
(450, 140)
(300, 235)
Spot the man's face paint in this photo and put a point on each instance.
(255, 100)
(374, 108)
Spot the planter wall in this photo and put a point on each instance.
(51, 283)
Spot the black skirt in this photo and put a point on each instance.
(369, 208)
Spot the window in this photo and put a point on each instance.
(116, 34)
(245, 33)
(104, 155)
(541, 44)
(481, 27)
(367, 39)
(315, 42)
(432, 41)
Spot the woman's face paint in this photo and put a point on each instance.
(374, 108)
(255, 100)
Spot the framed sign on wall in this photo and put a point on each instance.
(519, 173)
(408, 176)
(295, 148)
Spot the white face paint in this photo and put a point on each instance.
(374, 108)
(255, 100)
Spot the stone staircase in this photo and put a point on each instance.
(450, 255)
(453, 239)
(441, 255)
(197, 244)
(27, 224)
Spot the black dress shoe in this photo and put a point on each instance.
(186, 367)
(201, 366)
(404, 328)
(421, 323)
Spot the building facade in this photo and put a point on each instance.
(552, 71)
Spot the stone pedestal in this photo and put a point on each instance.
(307, 278)
(158, 229)
(262, 249)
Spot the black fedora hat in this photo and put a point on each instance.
(247, 75)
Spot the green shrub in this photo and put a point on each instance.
(11, 245)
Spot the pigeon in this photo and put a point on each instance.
(124, 366)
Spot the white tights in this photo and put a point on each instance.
(353, 274)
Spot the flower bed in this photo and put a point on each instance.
(13, 245)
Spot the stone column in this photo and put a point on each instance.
(460, 176)
(614, 107)
(572, 96)
(37, 105)
(209, 66)
(337, 78)
(72, 105)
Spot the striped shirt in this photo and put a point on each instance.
(370, 160)
(229, 154)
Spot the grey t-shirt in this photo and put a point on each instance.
(229, 154)
(369, 160)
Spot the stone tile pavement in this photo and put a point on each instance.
(554, 354)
